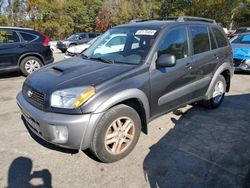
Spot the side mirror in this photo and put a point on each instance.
(166, 60)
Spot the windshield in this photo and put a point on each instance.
(125, 46)
(73, 37)
(242, 39)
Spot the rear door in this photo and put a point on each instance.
(170, 86)
(204, 58)
(10, 48)
(224, 50)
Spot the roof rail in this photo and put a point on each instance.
(178, 19)
(10, 27)
(192, 18)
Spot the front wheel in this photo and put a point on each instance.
(30, 64)
(219, 89)
(116, 134)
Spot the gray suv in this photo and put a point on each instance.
(75, 39)
(103, 99)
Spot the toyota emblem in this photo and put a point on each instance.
(29, 93)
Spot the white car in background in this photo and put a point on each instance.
(78, 49)
(114, 44)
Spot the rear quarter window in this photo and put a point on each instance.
(220, 38)
(28, 37)
(200, 39)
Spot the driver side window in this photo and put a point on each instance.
(175, 43)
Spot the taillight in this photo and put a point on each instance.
(46, 39)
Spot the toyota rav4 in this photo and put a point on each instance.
(102, 100)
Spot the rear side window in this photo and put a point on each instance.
(200, 39)
(175, 43)
(7, 36)
(220, 38)
(91, 35)
(212, 40)
(28, 37)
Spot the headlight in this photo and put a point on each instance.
(71, 98)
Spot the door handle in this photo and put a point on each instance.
(188, 66)
(216, 56)
(21, 45)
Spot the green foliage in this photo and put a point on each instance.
(241, 15)
(3, 20)
(60, 18)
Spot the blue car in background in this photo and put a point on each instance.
(241, 51)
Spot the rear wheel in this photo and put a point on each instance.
(116, 134)
(219, 89)
(30, 64)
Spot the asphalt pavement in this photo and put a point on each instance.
(195, 147)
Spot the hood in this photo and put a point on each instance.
(74, 72)
(78, 49)
(241, 51)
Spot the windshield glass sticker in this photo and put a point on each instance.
(145, 32)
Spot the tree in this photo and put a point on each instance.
(241, 15)
(3, 20)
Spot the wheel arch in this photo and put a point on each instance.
(134, 98)
(37, 55)
(226, 71)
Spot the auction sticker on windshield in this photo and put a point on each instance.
(145, 32)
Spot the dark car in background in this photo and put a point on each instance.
(75, 39)
(23, 49)
(241, 51)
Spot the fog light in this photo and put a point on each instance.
(61, 134)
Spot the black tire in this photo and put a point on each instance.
(98, 146)
(213, 102)
(28, 59)
(64, 50)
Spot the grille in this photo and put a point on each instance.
(34, 97)
(237, 62)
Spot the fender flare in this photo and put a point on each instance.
(125, 95)
(30, 54)
(225, 66)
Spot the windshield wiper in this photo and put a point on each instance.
(104, 60)
(84, 56)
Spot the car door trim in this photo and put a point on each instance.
(190, 88)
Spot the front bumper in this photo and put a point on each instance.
(69, 131)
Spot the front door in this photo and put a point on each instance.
(170, 85)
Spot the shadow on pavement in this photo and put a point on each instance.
(20, 175)
(47, 144)
(10, 75)
(206, 148)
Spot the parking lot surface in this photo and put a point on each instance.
(195, 147)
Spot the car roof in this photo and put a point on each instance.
(165, 22)
(161, 24)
